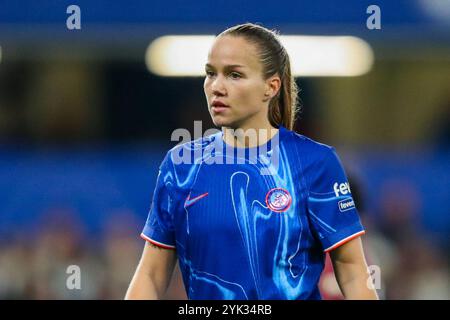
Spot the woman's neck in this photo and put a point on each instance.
(249, 136)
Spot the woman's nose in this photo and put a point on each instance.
(218, 87)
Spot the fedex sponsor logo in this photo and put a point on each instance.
(342, 188)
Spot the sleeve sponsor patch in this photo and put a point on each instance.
(346, 204)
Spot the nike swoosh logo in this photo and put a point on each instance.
(190, 201)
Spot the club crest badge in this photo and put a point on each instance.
(278, 199)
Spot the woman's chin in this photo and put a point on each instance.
(221, 121)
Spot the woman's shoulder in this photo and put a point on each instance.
(309, 146)
(196, 144)
(191, 152)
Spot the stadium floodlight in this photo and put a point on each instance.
(328, 56)
(185, 55)
(178, 55)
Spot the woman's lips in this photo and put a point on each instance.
(219, 106)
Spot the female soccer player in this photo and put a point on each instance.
(243, 226)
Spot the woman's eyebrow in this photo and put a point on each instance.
(230, 66)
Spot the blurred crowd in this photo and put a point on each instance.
(35, 266)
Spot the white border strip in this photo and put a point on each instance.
(162, 245)
(337, 244)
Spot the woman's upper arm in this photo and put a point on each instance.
(349, 262)
(351, 271)
(350, 252)
(153, 274)
(158, 262)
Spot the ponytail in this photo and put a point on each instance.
(283, 107)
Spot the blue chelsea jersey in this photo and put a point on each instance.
(252, 223)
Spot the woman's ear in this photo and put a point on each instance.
(273, 85)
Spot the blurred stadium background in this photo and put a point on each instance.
(84, 125)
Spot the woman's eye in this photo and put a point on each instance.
(209, 73)
(235, 75)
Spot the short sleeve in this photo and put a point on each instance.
(159, 227)
(332, 212)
